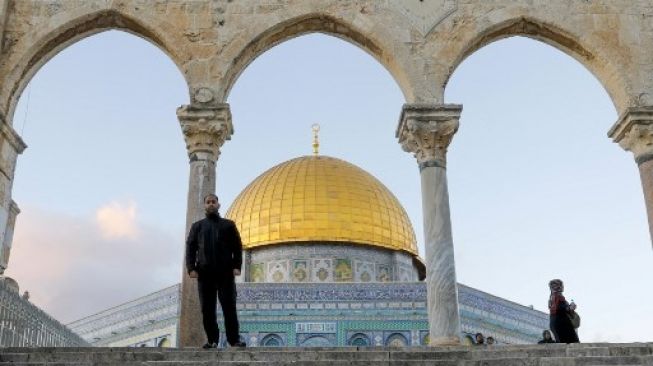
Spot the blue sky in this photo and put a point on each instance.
(537, 190)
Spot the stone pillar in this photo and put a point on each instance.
(205, 128)
(244, 273)
(634, 132)
(11, 145)
(426, 130)
(9, 236)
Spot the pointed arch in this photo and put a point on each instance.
(82, 26)
(565, 41)
(314, 23)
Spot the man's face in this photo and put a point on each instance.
(211, 205)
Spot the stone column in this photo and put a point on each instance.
(426, 130)
(9, 236)
(247, 259)
(634, 132)
(11, 145)
(205, 128)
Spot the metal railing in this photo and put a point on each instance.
(22, 324)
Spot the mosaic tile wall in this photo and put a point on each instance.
(330, 314)
(326, 263)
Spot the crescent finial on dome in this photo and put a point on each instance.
(316, 143)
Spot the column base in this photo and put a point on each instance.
(445, 341)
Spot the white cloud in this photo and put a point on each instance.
(117, 220)
(73, 269)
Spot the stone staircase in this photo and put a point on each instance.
(522, 355)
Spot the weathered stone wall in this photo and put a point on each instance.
(420, 43)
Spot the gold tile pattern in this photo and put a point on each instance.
(320, 198)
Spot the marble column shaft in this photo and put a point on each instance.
(205, 129)
(426, 131)
(634, 132)
(646, 175)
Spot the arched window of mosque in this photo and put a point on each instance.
(272, 340)
(359, 340)
(396, 340)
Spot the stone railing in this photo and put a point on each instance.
(22, 324)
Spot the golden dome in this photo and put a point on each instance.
(320, 198)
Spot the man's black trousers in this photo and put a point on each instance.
(223, 287)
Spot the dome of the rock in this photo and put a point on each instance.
(321, 199)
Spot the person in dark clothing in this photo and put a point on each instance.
(559, 311)
(480, 339)
(214, 257)
(546, 337)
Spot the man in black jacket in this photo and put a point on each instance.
(214, 257)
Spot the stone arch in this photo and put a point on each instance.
(53, 41)
(597, 63)
(314, 23)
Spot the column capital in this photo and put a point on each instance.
(426, 131)
(11, 136)
(633, 131)
(205, 129)
(13, 208)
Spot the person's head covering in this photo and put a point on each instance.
(555, 285)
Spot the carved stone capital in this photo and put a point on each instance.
(634, 132)
(205, 129)
(13, 210)
(10, 135)
(426, 130)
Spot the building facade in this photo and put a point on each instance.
(330, 259)
(22, 324)
(330, 314)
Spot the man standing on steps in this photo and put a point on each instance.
(214, 257)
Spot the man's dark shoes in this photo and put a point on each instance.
(239, 345)
(210, 345)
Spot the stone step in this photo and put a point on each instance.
(263, 354)
(526, 347)
(523, 355)
(202, 355)
(551, 361)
